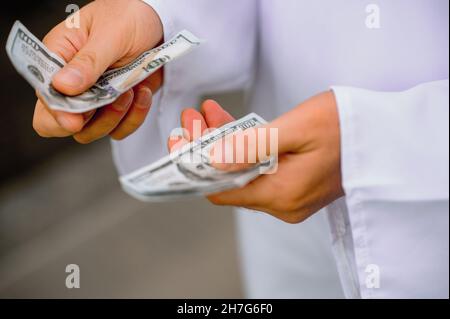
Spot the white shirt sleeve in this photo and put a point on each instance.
(395, 169)
(229, 32)
(223, 62)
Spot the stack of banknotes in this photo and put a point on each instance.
(185, 173)
(188, 171)
(37, 64)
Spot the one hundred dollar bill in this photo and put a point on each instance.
(188, 171)
(37, 64)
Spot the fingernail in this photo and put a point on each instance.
(70, 76)
(123, 102)
(144, 98)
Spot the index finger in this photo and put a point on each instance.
(255, 193)
(70, 122)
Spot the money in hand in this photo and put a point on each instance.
(37, 64)
(188, 172)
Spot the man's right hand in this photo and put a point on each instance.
(111, 34)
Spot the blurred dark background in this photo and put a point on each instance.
(24, 149)
(60, 203)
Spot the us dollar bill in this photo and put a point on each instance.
(37, 64)
(188, 172)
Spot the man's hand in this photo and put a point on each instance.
(309, 173)
(111, 34)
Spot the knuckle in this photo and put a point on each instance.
(133, 123)
(288, 205)
(293, 218)
(87, 61)
(86, 57)
(106, 125)
(126, 98)
(296, 216)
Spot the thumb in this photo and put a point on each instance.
(86, 66)
(246, 148)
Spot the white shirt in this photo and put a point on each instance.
(390, 233)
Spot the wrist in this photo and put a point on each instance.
(149, 23)
(154, 19)
(318, 120)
